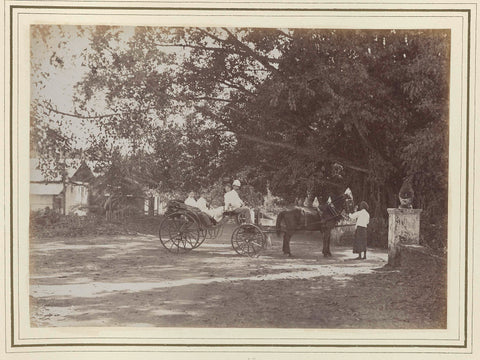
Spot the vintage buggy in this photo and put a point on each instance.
(185, 228)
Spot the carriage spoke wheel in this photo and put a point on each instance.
(248, 240)
(202, 230)
(179, 232)
(203, 236)
(211, 233)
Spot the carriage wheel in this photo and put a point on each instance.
(211, 232)
(203, 231)
(179, 232)
(215, 231)
(203, 237)
(248, 240)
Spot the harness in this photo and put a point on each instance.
(329, 207)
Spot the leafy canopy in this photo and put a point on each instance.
(279, 107)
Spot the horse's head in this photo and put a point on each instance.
(348, 203)
(343, 203)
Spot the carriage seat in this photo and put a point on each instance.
(229, 213)
(179, 206)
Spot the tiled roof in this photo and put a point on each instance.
(37, 176)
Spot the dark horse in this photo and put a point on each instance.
(322, 219)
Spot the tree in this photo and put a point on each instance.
(286, 107)
(348, 97)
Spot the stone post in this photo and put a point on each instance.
(403, 228)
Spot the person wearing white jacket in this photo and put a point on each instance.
(234, 203)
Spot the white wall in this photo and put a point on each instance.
(40, 202)
(75, 195)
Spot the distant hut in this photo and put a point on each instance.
(63, 194)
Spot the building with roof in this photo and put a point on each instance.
(67, 194)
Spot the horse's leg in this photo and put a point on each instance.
(329, 232)
(326, 243)
(286, 243)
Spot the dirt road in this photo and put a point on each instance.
(133, 281)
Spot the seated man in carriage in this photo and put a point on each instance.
(233, 202)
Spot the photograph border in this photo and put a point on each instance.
(467, 335)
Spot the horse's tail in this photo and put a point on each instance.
(278, 225)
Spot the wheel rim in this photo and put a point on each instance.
(180, 232)
(248, 240)
(166, 234)
(202, 238)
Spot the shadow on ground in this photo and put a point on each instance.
(132, 280)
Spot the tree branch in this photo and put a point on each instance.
(210, 98)
(367, 143)
(192, 47)
(298, 150)
(236, 86)
(208, 48)
(265, 61)
(51, 109)
(282, 145)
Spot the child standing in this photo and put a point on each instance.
(362, 218)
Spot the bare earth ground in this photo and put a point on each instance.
(131, 280)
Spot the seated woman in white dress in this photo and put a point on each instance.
(190, 200)
(202, 204)
(205, 218)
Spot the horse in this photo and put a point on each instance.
(323, 219)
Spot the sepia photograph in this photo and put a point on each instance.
(238, 177)
(275, 180)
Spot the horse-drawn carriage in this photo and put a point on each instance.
(185, 228)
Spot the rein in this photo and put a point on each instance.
(331, 209)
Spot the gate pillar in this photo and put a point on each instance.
(403, 228)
